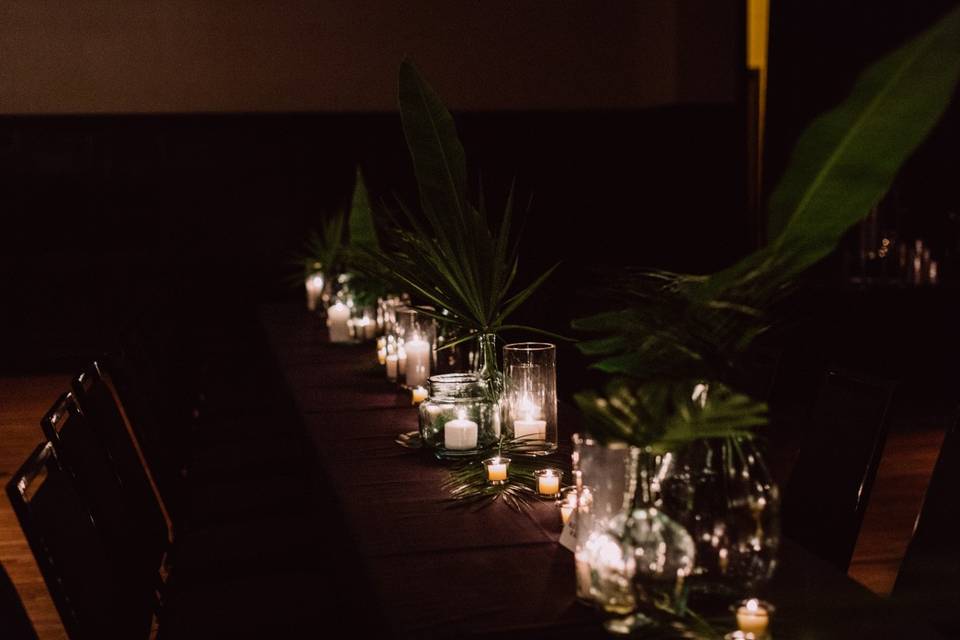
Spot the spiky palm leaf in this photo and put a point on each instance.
(450, 253)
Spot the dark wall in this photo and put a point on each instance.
(97, 208)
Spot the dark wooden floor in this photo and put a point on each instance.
(904, 472)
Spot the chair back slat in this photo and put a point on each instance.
(117, 503)
(826, 496)
(93, 593)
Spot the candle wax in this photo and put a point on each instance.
(337, 317)
(460, 435)
(753, 621)
(419, 395)
(548, 485)
(497, 472)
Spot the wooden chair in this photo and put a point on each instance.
(927, 583)
(14, 622)
(94, 593)
(826, 496)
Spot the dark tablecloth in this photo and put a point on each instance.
(430, 570)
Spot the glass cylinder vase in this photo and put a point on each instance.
(530, 393)
(457, 418)
(416, 339)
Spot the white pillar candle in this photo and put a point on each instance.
(337, 317)
(548, 483)
(314, 290)
(392, 366)
(460, 434)
(418, 362)
(753, 618)
(528, 426)
(418, 395)
(402, 361)
(382, 355)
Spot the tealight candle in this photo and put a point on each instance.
(418, 362)
(548, 482)
(496, 469)
(753, 616)
(419, 394)
(461, 434)
(337, 317)
(392, 366)
(568, 504)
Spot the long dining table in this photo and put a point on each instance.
(428, 568)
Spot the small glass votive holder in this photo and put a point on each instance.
(753, 617)
(418, 395)
(567, 503)
(530, 394)
(548, 482)
(496, 468)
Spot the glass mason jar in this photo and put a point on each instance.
(416, 336)
(530, 393)
(457, 418)
(722, 492)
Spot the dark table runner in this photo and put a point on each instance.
(435, 571)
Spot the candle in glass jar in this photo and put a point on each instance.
(460, 434)
(568, 505)
(314, 290)
(752, 617)
(418, 362)
(548, 483)
(419, 394)
(392, 366)
(528, 426)
(337, 317)
(496, 469)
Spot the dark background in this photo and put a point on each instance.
(109, 208)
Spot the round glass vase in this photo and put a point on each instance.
(637, 562)
(530, 394)
(721, 491)
(457, 419)
(416, 336)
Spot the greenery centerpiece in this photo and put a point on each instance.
(670, 337)
(450, 253)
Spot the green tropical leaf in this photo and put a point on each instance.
(845, 161)
(363, 231)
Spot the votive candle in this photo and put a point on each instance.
(418, 395)
(496, 469)
(548, 482)
(753, 616)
